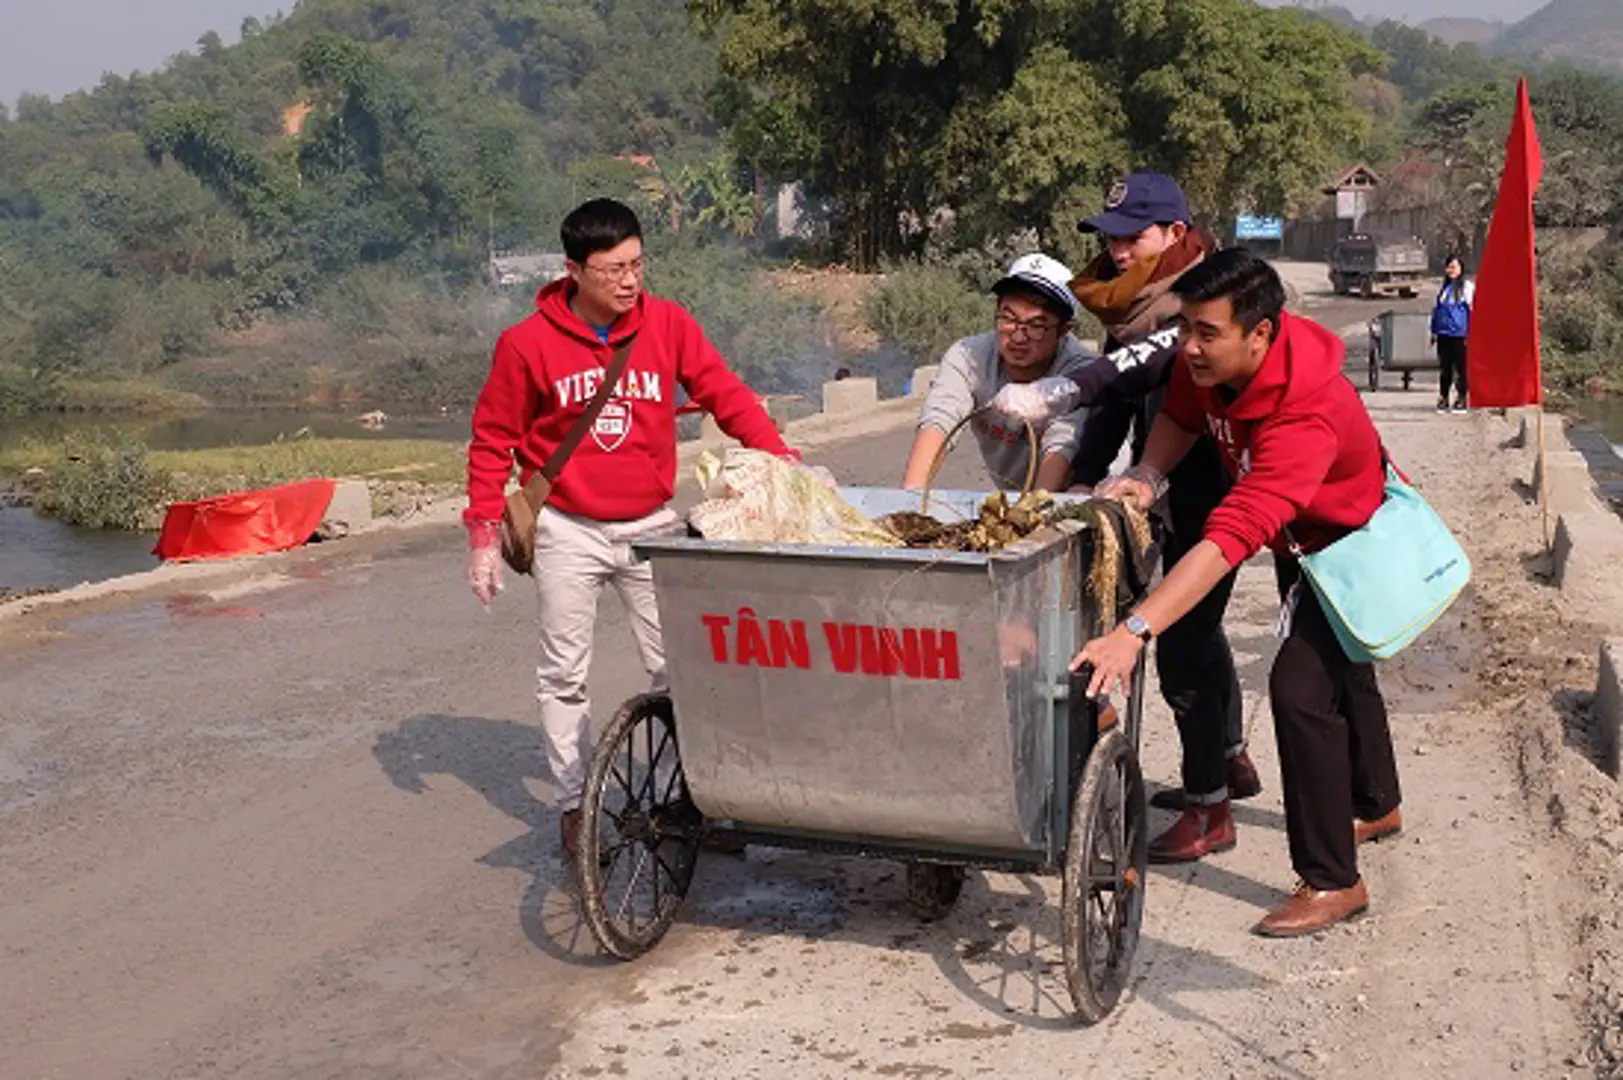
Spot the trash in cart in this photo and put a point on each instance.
(751, 495)
(998, 524)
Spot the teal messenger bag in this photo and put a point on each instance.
(1383, 585)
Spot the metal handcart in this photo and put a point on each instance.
(1400, 341)
(902, 704)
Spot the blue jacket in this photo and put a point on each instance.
(1451, 317)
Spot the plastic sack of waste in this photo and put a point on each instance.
(754, 496)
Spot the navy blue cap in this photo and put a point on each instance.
(1136, 203)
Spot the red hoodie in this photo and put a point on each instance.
(544, 372)
(1301, 446)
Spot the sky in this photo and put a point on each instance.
(57, 46)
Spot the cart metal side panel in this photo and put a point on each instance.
(1405, 341)
(910, 696)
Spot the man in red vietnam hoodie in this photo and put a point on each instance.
(1308, 468)
(615, 487)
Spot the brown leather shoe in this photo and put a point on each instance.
(1310, 910)
(1243, 782)
(1200, 831)
(1369, 832)
(569, 832)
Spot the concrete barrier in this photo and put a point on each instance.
(923, 379)
(1585, 564)
(850, 395)
(1607, 713)
(350, 509)
(1556, 463)
(1524, 422)
(1572, 489)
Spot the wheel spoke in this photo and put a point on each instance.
(654, 879)
(625, 784)
(631, 889)
(676, 879)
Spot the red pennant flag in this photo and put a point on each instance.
(1502, 352)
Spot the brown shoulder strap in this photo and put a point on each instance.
(555, 463)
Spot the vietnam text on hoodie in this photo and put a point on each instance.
(544, 373)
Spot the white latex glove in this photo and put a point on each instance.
(1037, 402)
(485, 560)
(485, 573)
(1139, 485)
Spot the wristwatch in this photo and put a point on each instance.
(1139, 628)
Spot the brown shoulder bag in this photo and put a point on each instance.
(524, 505)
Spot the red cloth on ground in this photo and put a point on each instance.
(245, 522)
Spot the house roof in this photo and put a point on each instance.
(1359, 176)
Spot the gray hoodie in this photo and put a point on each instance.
(970, 376)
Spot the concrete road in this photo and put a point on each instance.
(299, 825)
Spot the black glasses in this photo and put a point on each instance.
(1032, 328)
(611, 273)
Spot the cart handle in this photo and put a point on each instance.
(946, 445)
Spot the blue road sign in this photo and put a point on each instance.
(1253, 227)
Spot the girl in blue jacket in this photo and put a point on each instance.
(1450, 325)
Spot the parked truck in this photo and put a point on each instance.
(1373, 263)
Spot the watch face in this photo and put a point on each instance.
(1137, 625)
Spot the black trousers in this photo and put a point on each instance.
(1192, 657)
(1335, 749)
(1451, 358)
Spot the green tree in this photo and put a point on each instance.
(1004, 112)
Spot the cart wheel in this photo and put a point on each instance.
(1106, 860)
(933, 888)
(641, 832)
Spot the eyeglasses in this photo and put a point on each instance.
(611, 273)
(1015, 328)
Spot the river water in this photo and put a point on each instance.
(39, 552)
(1607, 414)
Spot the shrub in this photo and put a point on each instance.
(104, 485)
(922, 308)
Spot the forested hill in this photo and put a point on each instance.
(305, 215)
(1570, 30)
(352, 133)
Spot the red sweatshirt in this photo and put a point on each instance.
(1301, 446)
(545, 371)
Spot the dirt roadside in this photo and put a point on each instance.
(1491, 948)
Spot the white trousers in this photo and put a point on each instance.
(574, 558)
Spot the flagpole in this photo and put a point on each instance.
(1543, 476)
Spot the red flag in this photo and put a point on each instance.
(1502, 353)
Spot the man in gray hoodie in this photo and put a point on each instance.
(1032, 339)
